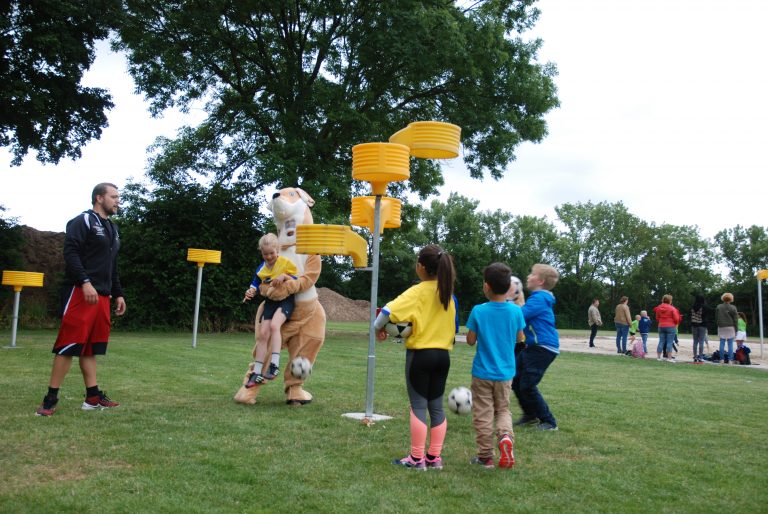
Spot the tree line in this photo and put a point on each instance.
(601, 250)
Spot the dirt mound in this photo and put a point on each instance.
(341, 308)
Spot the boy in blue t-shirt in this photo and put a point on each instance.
(495, 327)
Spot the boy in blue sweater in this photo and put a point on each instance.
(542, 346)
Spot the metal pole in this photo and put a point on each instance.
(760, 310)
(374, 300)
(197, 304)
(15, 321)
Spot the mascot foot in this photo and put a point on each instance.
(296, 395)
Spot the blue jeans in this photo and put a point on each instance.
(666, 340)
(645, 341)
(622, 332)
(532, 362)
(730, 349)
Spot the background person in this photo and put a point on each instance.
(594, 320)
(668, 317)
(91, 244)
(699, 327)
(727, 319)
(622, 319)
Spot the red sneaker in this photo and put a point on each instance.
(101, 401)
(48, 407)
(507, 459)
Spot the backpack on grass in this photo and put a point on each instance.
(637, 349)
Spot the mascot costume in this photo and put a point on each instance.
(304, 333)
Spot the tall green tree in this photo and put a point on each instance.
(158, 226)
(289, 87)
(45, 48)
(600, 245)
(745, 251)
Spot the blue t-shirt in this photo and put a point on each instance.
(496, 325)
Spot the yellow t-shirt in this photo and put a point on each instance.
(433, 326)
(282, 265)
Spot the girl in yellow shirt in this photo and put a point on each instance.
(431, 309)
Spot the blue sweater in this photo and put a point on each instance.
(540, 321)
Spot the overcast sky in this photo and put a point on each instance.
(664, 106)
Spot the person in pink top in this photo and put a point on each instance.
(668, 317)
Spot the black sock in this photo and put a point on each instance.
(431, 457)
(92, 391)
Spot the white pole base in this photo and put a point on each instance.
(361, 416)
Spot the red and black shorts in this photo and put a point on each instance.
(84, 327)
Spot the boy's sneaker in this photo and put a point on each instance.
(255, 378)
(507, 459)
(546, 425)
(98, 402)
(410, 462)
(526, 420)
(436, 463)
(48, 406)
(272, 373)
(486, 462)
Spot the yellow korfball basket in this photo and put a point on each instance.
(203, 257)
(380, 164)
(20, 279)
(332, 240)
(430, 139)
(363, 209)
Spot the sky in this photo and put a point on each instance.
(663, 106)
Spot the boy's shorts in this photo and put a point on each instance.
(84, 327)
(271, 306)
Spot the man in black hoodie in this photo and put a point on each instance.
(90, 253)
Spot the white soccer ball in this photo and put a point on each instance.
(301, 368)
(460, 400)
(399, 331)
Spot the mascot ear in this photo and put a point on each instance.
(304, 196)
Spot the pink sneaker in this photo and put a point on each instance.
(436, 463)
(507, 459)
(410, 462)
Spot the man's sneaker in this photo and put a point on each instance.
(48, 406)
(98, 402)
(272, 373)
(546, 425)
(507, 459)
(486, 462)
(255, 378)
(672, 360)
(436, 463)
(410, 462)
(526, 420)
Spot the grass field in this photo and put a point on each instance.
(635, 436)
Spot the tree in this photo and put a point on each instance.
(745, 252)
(45, 48)
(288, 87)
(158, 227)
(10, 257)
(600, 245)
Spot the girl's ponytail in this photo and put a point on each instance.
(439, 263)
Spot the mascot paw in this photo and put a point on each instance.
(245, 394)
(296, 395)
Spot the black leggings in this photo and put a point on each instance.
(426, 372)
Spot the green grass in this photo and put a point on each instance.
(635, 436)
